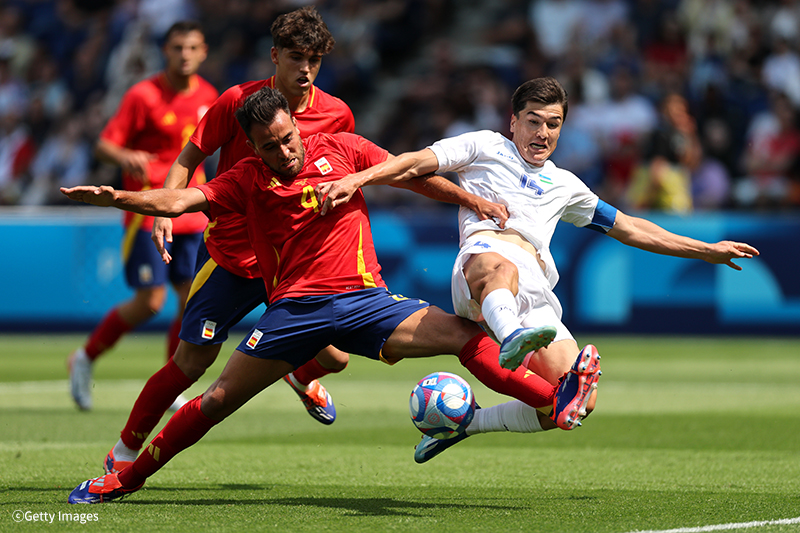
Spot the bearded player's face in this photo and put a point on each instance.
(278, 145)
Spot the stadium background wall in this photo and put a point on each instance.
(61, 271)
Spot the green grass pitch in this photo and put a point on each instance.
(688, 433)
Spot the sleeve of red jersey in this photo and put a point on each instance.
(367, 154)
(127, 121)
(217, 125)
(226, 193)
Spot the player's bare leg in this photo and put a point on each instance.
(494, 282)
(145, 303)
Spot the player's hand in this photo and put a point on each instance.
(723, 252)
(136, 163)
(161, 233)
(334, 193)
(490, 210)
(90, 194)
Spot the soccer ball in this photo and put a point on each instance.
(442, 405)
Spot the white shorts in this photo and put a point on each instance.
(537, 303)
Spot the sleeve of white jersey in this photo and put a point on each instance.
(587, 210)
(455, 153)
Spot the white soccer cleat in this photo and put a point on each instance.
(80, 379)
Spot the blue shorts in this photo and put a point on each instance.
(144, 267)
(359, 322)
(218, 300)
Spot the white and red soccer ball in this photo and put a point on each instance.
(442, 405)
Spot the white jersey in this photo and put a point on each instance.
(489, 165)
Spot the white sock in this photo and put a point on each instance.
(123, 453)
(500, 309)
(80, 354)
(297, 384)
(514, 416)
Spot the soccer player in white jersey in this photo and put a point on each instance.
(504, 278)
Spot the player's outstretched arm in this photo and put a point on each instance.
(646, 235)
(180, 173)
(395, 169)
(153, 202)
(442, 189)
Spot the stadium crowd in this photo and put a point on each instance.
(675, 105)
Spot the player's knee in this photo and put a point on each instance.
(194, 360)
(215, 404)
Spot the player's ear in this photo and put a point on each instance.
(252, 146)
(273, 54)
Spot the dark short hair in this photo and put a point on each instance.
(302, 29)
(183, 26)
(261, 108)
(545, 91)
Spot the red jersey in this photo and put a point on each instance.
(299, 252)
(227, 239)
(155, 118)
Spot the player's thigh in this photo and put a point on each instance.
(242, 378)
(184, 254)
(429, 332)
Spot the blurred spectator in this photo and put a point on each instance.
(781, 70)
(664, 180)
(16, 152)
(62, 161)
(772, 148)
(557, 25)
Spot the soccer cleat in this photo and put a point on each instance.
(179, 402)
(100, 490)
(575, 389)
(318, 402)
(523, 341)
(80, 379)
(112, 465)
(428, 447)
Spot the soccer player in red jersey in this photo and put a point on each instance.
(322, 276)
(154, 121)
(227, 283)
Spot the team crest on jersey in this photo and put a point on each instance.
(323, 165)
(254, 338)
(209, 329)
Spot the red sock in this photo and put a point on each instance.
(157, 395)
(185, 428)
(106, 334)
(480, 357)
(172, 337)
(310, 371)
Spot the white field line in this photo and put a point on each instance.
(725, 527)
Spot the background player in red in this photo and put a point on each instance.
(154, 121)
(227, 283)
(326, 285)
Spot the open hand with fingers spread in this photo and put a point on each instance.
(90, 194)
(723, 252)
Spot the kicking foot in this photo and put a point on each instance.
(523, 341)
(100, 490)
(318, 402)
(575, 389)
